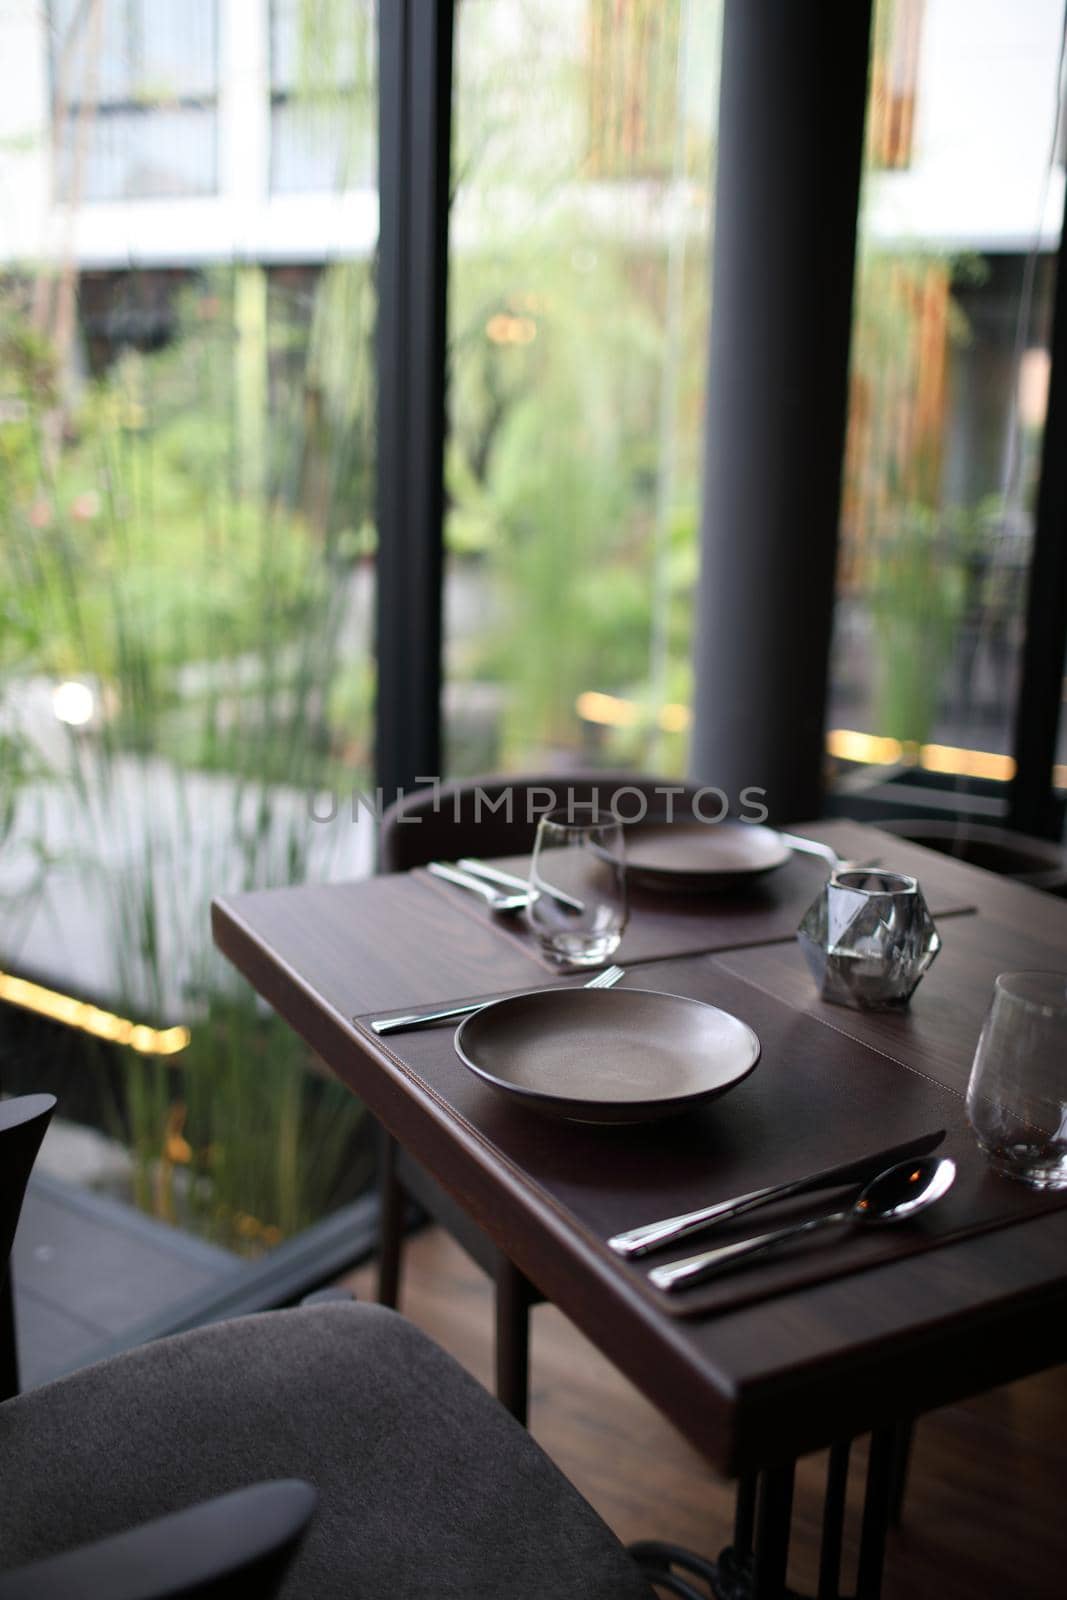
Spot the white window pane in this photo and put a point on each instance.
(178, 48)
(320, 147)
(319, 45)
(135, 155)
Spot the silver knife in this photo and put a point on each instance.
(639, 1241)
(423, 1019)
(607, 978)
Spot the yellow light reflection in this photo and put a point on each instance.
(675, 718)
(954, 760)
(505, 329)
(606, 709)
(612, 711)
(847, 744)
(91, 1019)
(869, 748)
(967, 763)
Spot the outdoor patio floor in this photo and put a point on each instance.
(89, 1270)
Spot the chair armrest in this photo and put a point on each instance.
(322, 1297)
(22, 1127)
(251, 1532)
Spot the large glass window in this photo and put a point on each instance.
(322, 117)
(582, 173)
(961, 211)
(186, 586)
(134, 98)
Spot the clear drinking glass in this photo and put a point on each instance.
(1017, 1096)
(578, 888)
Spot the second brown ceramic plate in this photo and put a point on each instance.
(607, 1055)
(701, 857)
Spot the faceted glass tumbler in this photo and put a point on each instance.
(868, 939)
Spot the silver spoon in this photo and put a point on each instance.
(894, 1196)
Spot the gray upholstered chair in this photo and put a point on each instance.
(426, 1487)
(472, 818)
(360, 1459)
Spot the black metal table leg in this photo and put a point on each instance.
(875, 1514)
(733, 1570)
(745, 1516)
(833, 1521)
(903, 1437)
(669, 1567)
(513, 1297)
(774, 1516)
(756, 1565)
(390, 1221)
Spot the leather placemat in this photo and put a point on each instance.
(816, 1098)
(941, 1026)
(766, 910)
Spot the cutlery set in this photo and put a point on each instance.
(509, 880)
(889, 1186)
(895, 1194)
(503, 892)
(653, 1235)
(502, 901)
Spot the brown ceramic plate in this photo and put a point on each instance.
(607, 1055)
(701, 857)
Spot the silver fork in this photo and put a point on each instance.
(423, 1019)
(606, 979)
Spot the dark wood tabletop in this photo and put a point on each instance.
(751, 1383)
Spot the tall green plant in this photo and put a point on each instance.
(210, 621)
(917, 594)
(576, 374)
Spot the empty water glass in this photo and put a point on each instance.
(1017, 1095)
(577, 903)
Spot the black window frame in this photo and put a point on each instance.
(415, 93)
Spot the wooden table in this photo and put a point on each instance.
(760, 1384)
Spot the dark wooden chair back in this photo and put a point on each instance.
(498, 815)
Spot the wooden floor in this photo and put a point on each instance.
(984, 1514)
